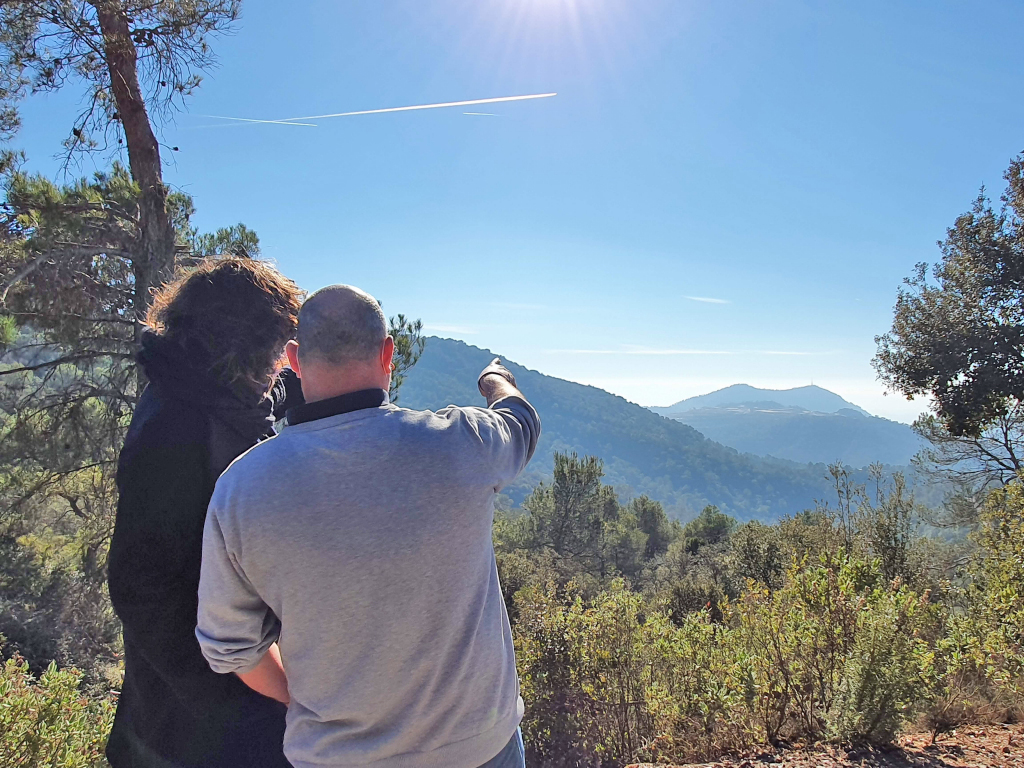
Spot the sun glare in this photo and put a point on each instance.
(531, 37)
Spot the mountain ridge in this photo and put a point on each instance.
(642, 452)
(810, 397)
(804, 424)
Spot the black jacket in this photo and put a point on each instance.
(174, 711)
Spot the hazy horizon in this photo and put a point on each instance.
(695, 389)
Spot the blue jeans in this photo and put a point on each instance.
(512, 756)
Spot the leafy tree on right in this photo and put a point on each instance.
(958, 337)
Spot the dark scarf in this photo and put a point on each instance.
(183, 377)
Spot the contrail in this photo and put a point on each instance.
(482, 114)
(293, 120)
(250, 120)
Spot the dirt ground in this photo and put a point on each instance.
(995, 746)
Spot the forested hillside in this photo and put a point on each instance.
(642, 451)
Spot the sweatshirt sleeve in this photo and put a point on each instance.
(523, 431)
(235, 627)
(507, 432)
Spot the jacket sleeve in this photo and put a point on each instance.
(235, 627)
(154, 565)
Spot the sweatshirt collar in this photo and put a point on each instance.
(333, 406)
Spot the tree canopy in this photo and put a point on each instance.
(960, 339)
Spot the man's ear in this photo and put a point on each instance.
(387, 355)
(291, 350)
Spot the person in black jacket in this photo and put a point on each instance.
(212, 355)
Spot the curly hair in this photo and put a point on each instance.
(233, 316)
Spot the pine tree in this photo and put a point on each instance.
(132, 59)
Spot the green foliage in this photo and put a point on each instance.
(981, 650)
(581, 528)
(757, 554)
(67, 387)
(1000, 572)
(652, 520)
(613, 680)
(8, 332)
(237, 240)
(833, 654)
(53, 608)
(886, 524)
(50, 722)
(709, 527)
(568, 516)
(409, 344)
(836, 653)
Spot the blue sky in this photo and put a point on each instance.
(721, 192)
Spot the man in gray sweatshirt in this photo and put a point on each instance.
(348, 568)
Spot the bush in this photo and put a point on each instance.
(50, 610)
(614, 680)
(981, 652)
(970, 661)
(49, 723)
(1000, 580)
(835, 654)
(890, 671)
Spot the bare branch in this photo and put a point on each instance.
(66, 359)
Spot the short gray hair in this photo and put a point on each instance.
(341, 324)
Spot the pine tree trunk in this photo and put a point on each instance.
(153, 262)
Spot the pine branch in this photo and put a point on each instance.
(21, 274)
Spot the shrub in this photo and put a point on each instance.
(1000, 579)
(981, 652)
(968, 659)
(50, 610)
(699, 700)
(890, 672)
(49, 723)
(835, 655)
(547, 658)
(613, 680)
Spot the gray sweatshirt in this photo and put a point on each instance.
(361, 543)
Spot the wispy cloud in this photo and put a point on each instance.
(442, 328)
(707, 300)
(514, 305)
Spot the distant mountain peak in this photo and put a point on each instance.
(810, 398)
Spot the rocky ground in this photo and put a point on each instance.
(997, 746)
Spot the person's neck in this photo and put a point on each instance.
(324, 387)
